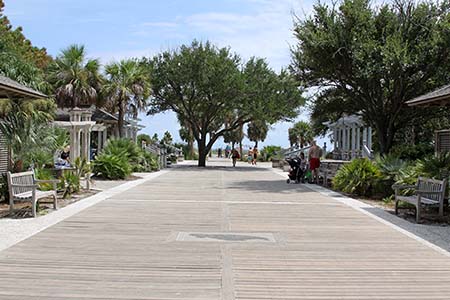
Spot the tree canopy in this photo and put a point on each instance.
(210, 88)
(19, 59)
(370, 61)
(126, 89)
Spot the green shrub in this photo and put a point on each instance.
(4, 192)
(124, 148)
(269, 152)
(360, 177)
(71, 183)
(112, 166)
(437, 167)
(151, 162)
(44, 174)
(412, 152)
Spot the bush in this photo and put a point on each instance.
(269, 152)
(360, 177)
(44, 174)
(412, 152)
(437, 167)
(124, 148)
(112, 166)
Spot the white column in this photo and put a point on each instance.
(353, 141)
(365, 136)
(335, 138)
(347, 139)
(358, 138)
(105, 137)
(99, 141)
(369, 138)
(86, 143)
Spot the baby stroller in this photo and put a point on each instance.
(297, 172)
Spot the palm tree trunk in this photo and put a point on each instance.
(121, 118)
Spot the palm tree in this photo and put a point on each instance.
(76, 79)
(301, 134)
(126, 89)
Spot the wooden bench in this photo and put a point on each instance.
(427, 191)
(24, 187)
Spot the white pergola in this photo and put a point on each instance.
(79, 127)
(351, 138)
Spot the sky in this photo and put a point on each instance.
(115, 29)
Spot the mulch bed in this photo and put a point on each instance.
(23, 209)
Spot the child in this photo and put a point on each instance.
(303, 167)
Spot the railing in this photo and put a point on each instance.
(367, 153)
(296, 152)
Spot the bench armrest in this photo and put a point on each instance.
(33, 186)
(428, 192)
(403, 186)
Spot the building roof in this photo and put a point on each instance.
(100, 115)
(345, 121)
(11, 88)
(437, 97)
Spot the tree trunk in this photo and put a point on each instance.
(121, 119)
(241, 151)
(190, 154)
(190, 142)
(202, 152)
(256, 144)
(385, 138)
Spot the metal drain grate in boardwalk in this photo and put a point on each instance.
(226, 237)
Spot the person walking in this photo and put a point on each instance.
(250, 155)
(235, 156)
(219, 153)
(255, 155)
(314, 161)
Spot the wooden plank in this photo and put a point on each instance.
(124, 247)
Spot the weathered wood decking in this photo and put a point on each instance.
(126, 248)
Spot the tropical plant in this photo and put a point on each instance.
(437, 166)
(125, 148)
(300, 134)
(269, 152)
(75, 79)
(111, 166)
(44, 174)
(22, 131)
(143, 138)
(126, 89)
(359, 177)
(257, 131)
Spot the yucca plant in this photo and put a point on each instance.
(111, 166)
(360, 177)
(437, 166)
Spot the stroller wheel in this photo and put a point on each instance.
(288, 181)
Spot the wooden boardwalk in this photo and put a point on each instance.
(126, 247)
